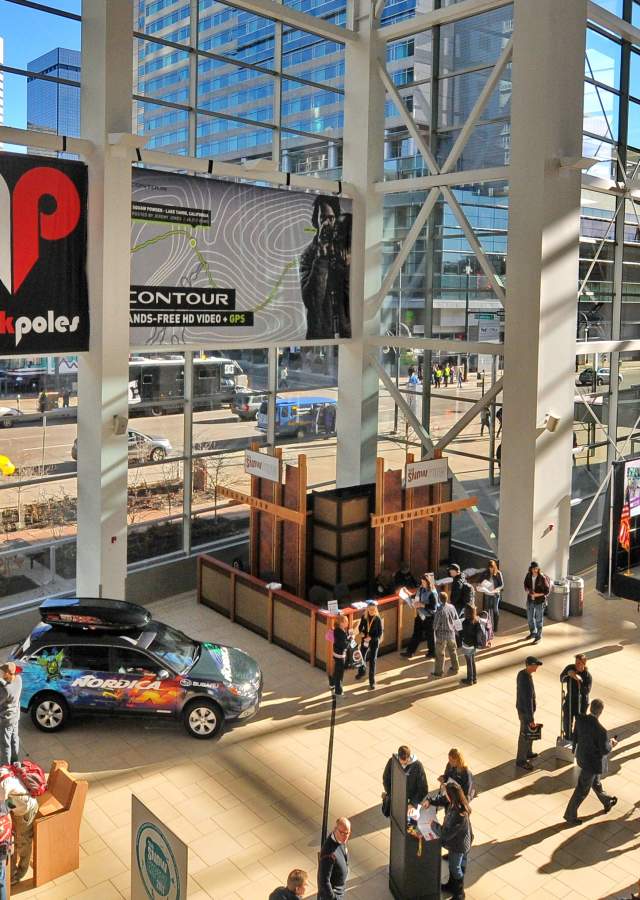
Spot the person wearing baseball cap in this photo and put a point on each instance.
(10, 690)
(526, 707)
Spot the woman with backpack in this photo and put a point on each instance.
(472, 638)
(370, 629)
(456, 835)
(458, 771)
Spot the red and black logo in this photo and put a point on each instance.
(44, 305)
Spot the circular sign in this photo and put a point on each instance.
(157, 864)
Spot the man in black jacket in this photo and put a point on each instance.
(577, 680)
(593, 745)
(297, 884)
(333, 862)
(417, 787)
(526, 706)
(461, 591)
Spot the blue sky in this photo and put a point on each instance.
(28, 34)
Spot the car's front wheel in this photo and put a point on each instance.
(203, 719)
(49, 712)
(158, 454)
(7, 422)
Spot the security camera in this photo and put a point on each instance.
(551, 422)
(120, 424)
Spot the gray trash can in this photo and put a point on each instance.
(558, 608)
(576, 595)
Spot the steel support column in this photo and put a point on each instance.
(357, 419)
(106, 92)
(544, 230)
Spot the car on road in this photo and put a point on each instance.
(246, 404)
(8, 415)
(142, 447)
(602, 376)
(107, 656)
(6, 466)
(301, 417)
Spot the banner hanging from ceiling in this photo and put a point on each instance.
(213, 261)
(44, 307)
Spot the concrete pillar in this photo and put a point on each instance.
(106, 107)
(542, 267)
(357, 419)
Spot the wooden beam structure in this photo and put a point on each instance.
(421, 512)
(274, 509)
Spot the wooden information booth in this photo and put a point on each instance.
(410, 522)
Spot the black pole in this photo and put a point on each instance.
(327, 783)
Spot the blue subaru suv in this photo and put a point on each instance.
(106, 656)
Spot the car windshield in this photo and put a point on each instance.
(174, 647)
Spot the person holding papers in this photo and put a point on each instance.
(492, 588)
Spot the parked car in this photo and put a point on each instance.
(602, 376)
(142, 447)
(108, 656)
(8, 415)
(6, 466)
(246, 404)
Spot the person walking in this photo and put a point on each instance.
(426, 604)
(42, 402)
(458, 771)
(297, 886)
(460, 374)
(537, 587)
(593, 745)
(456, 835)
(10, 690)
(526, 707)
(417, 786)
(340, 645)
(485, 420)
(413, 385)
(333, 862)
(471, 634)
(447, 375)
(66, 397)
(371, 629)
(445, 630)
(578, 681)
(461, 591)
(492, 599)
(439, 375)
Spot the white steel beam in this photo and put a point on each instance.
(448, 179)
(26, 137)
(451, 346)
(453, 13)
(622, 346)
(484, 95)
(470, 415)
(458, 490)
(618, 26)
(292, 17)
(408, 119)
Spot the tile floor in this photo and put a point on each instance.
(250, 805)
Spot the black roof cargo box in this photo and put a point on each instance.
(95, 613)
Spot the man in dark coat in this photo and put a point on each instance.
(577, 680)
(324, 273)
(297, 884)
(417, 787)
(526, 706)
(333, 862)
(593, 745)
(461, 591)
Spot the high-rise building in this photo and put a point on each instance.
(1, 85)
(55, 106)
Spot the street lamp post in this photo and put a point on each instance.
(398, 244)
(468, 271)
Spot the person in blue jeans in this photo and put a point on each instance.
(537, 587)
(456, 834)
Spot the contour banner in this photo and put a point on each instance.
(215, 261)
(44, 307)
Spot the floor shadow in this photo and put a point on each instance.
(586, 847)
(548, 784)
(633, 891)
(504, 852)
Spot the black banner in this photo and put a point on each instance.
(44, 306)
(165, 306)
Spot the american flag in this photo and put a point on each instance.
(624, 535)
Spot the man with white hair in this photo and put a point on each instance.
(10, 690)
(333, 862)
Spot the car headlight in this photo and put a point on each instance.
(245, 689)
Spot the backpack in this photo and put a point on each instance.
(6, 833)
(30, 774)
(485, 635)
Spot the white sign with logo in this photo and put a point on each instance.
(427, 471)
(261, 465)
(159, 859)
